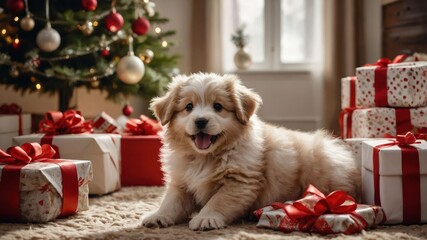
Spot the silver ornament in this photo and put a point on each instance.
(130, 69)
(27, 23)
(48, 39)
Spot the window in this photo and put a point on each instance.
(283, 34)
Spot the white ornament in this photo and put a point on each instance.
(27, 23)
(130, 69)
(48, 39)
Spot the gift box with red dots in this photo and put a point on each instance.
(376, 122)
(391, 85)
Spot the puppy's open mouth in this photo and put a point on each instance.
(203, 140)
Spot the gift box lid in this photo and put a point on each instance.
(81, 143)
(420, 64)
(9, 122)
(390, 162)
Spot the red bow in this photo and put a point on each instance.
(69, 122)
(408, 138)
(384, 62)
(12, 108)
(143, 126)
(27, 153)
(314, 203)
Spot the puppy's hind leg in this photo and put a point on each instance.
(177, 205)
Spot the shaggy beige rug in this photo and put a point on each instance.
(117, 216)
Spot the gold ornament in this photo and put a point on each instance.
(14, 72)
(146, 56)
(27, 23)
(87, 28)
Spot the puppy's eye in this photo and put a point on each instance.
(218, 107)
(189, 107)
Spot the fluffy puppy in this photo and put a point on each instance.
(222, 161)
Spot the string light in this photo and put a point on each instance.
(95, 23)
(38, 86)
(16, 19)
(3, 31)
(33, 79)
(158, 30)
(164, 44)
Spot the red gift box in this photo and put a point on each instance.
(140, 161)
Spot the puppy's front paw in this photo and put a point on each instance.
(208, 222)
(157, 220)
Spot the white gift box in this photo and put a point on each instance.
(41, 189)
(103, 150)
(9, 128)
(398, 202)
(405, 85)
(348, 92)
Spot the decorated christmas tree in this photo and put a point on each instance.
(117, 46)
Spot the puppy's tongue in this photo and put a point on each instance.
(202, 140)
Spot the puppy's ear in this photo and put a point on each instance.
(164, 107)
(245, 100)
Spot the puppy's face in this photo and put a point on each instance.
(205, 111)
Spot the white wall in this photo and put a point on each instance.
(93, 102)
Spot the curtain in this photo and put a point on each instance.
(206, 36)
(344, 50)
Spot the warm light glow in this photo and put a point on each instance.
(38, 86)
(9, 39)
(33, 79)
(3, 31)
(95, 23)
(92, 70)
(146, 1)
(164, 44)
(16, 41)
(16, 19)
(157, 30)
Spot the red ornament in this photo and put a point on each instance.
(140, 26)
(114, 21)
(105, 52)
(127, 110)
(15, 6)
(89, 5)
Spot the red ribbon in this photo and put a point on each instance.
(13, 108)
(352, 92)
(69, 122)
(380, 83)
(349, 112)
(142, 126)
(411, 187)
(18, 157)
(304, 212)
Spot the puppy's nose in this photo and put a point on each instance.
(201, 123)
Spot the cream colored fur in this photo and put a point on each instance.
(251, 163)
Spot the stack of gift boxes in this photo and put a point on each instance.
(50, 174)
(383, 120)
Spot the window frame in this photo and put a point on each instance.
(272, 41)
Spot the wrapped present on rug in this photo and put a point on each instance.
(140, 150)
(387, 84)
(34, 187)
(317, 213)
(69, 134)
(375, 122)
(104, 123)
(394, 176)
(13, 123)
